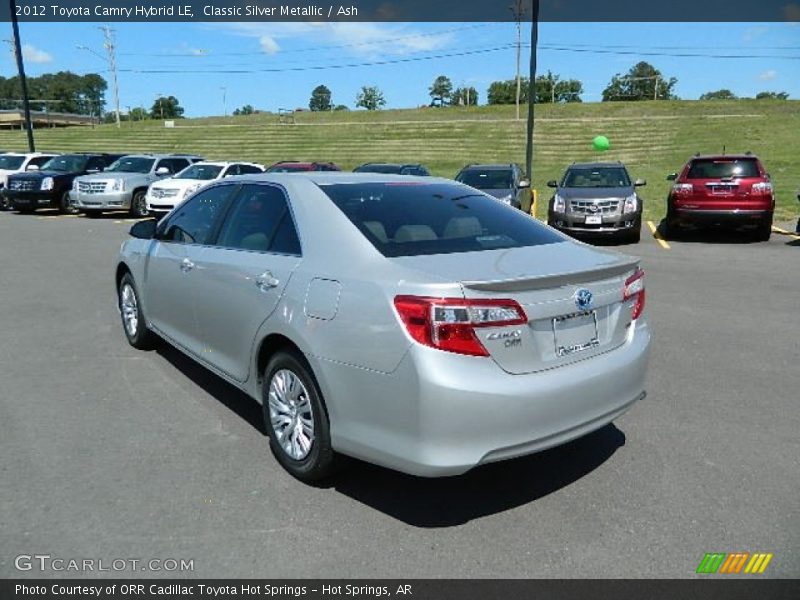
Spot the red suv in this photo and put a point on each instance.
(730, 190)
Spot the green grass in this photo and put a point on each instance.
(652, 138)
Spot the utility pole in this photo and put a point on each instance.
(224, 103)
(26, 106)
(655, 93)
(518, 10)
(108, 34)
(531, 88)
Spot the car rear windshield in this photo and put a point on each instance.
(601, 177)
(402, 219)
(68, 163)
(487, 179)
(132, 164)
(11, 162)
(723, 168)
(201, 172)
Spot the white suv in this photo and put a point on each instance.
(13, 162)
(163, 196)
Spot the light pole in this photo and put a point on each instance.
(113, 68)
(26, 107)
(532, 88)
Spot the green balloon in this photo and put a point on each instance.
(601, 143)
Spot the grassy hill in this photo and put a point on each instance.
(652, 138)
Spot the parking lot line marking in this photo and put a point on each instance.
(784, 232)
(657, 236)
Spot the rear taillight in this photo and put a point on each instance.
(634, 290)
(763, 188)
(683, 189)
(449, 323)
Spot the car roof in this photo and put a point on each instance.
(388, 164)
(225, 163)
(595, 165)
(745, 156)
(491, 166)
(341, 177)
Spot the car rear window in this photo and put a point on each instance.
(723, 168)
(414, 219)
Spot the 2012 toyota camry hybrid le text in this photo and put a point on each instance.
(412, 322)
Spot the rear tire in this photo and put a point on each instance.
(764, 230)
(295, 418)
(133, 321)
(139, 205)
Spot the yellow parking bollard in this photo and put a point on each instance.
(534, 202)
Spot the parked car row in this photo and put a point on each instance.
(598, 199)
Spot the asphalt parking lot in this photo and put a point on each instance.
(107, 452)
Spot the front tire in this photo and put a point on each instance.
(295, 418)
(139, 205)
(65, 207)
(133, 321)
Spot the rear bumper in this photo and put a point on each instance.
(721, 217)
(441, 414)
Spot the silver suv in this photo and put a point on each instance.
(597, 200)
(124, 184)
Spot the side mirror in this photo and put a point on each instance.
(552, 183)
(639, 183)
(672, 177)
(144, 230)
(32, 168)
(524, 184)
(161, 171)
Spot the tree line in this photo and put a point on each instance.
(57, 92)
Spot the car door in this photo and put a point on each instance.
(172, 268)
(244, 274)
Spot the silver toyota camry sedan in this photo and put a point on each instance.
(414, 323)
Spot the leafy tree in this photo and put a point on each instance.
(772, 96)
(723, 94)
(71, 93)
(247, 109)
(138, 114)
(640, 84)
(550, 88)
(505, 92)
(320, 99)
(340, 107)
(371, 98)
(441, 90)
(166, 108)
(467, 96)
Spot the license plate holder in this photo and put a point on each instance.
(575, 333)
(594, 220)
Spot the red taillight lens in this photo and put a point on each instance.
(634, 289)
(449, 323)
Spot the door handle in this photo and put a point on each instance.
(186, 265)
(266, 281)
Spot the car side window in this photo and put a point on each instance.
(261, 221)
(194, 221)
(248, 170)
(231, 171)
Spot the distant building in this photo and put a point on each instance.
(15, 119)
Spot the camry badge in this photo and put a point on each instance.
(583, 299)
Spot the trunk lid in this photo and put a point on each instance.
(545, 280)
